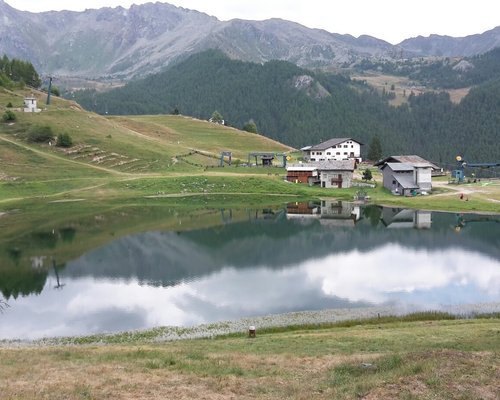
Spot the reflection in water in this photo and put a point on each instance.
(314, 256)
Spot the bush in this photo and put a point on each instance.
(55, 91)
(9, 105)
(250, 126)
(40, 134)
(64, 140)
(8, 116)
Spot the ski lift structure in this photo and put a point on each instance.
(458, 174)
(266, 158)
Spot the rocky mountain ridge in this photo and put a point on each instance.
(122, 43)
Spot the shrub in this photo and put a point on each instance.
(250, 126)
(55, 91)
(40, 134)
(64, 140)
(8, 116)
(9, 105)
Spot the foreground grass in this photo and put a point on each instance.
(446, 359)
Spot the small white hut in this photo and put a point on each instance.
(30, 105)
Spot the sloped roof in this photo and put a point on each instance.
(406, 181)
(301, 167)
(330, 165)
(334, 165)
(332, 142)
(413, 160)
(399, 167)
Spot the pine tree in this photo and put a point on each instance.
(375, 149)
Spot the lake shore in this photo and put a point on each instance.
(240, 326)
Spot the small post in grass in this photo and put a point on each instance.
(251, 332)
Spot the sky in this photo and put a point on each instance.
(390, 20)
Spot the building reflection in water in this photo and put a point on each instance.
(395, 218)
(341, 213)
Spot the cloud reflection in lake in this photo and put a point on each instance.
(410, 278)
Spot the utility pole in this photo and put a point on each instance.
(50, 90)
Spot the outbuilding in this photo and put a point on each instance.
(406, 175)
(30, 105)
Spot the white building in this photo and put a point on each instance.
(30, 105)
(334, 149)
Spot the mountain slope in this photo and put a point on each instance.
(299, 107)
(284, 100)
(121, 43)
(143, 39)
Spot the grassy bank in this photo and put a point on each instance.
(419, 357)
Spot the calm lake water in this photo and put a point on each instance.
(138, 269)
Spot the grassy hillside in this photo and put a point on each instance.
(122, 158)
(113, 146)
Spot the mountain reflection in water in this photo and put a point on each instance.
(307, 256)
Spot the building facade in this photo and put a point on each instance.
(334, 149)
(30, 105)
(328, 174)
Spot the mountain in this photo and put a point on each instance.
(447, 46)
(118, 42)
(107, 41)
(299, 107)
(122, 43)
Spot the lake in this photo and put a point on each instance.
(140, 268)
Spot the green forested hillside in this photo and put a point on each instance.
(299, 111)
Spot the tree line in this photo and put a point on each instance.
(18, 71)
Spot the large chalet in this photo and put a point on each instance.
(334, 149)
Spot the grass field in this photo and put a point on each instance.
(145, 156)
(393, 358)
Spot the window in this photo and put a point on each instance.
(345, 153)
(328, 154)
(352, 146)
(393, 182)
(345, 146)
(338, 153)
